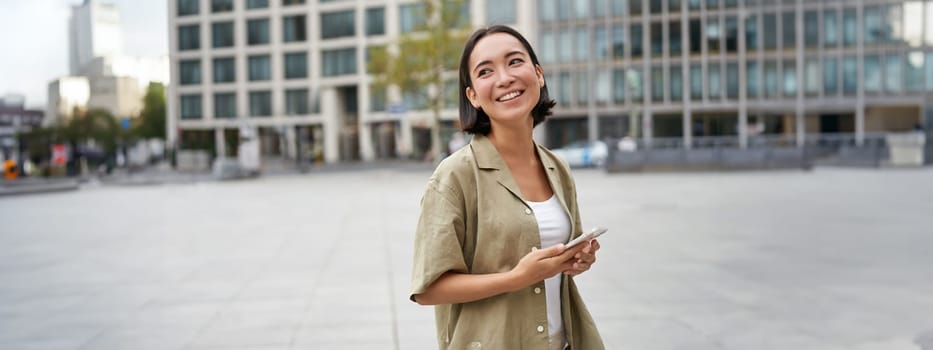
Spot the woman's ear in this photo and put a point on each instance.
(540, 73)
(471, 95)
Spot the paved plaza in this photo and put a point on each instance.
(829, 259)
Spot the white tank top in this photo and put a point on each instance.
(554, 228)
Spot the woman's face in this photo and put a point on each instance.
(505, 83)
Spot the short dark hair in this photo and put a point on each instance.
(475, 121)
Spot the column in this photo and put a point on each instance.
(219, 145)
(687, 128)
(860, 53)
(331, 125)
(799, 67)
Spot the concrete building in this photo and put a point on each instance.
(295, 72)
(14, 119)
(736, 71)
(679, 73)
(65, 95)
(94, 29)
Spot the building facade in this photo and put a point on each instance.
(669, 72)
(94, 30)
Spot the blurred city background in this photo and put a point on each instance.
(136, 113)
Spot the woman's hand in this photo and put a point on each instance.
(584, 259)
(544, 263)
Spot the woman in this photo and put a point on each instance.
(489, 247)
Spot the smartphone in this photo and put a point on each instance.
(595, 232)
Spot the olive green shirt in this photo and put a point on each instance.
(473, 220)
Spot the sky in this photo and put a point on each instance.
(34, 34)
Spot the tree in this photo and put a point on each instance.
(423, 60)
(151, 123)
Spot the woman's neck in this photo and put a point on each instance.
(513, 143)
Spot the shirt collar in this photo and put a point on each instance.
(487, 156)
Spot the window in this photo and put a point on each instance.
(770, 31)
(849, 27)
(459, 12)
(872, 73)
(694, 4)
(751, 33)
(929, 69)
(565, 47)
(337, 24)
(188, 7)
(656, 6)
(673, 5)
(411, 17)
(830, 76)
(296, 102)
(224, 70)
(636, 79)
(582, 44)
(293, 28)
(732, 80)
(657, 39)
(376, 21)
(257, 4)
(603, 87)
(259, 68)
(296, 65)
(563, 97)
(753, 79)
(790, 78)
(712, 4)
(811, 29)
(811, 77)
(190, 106)
(874, 31)
(377, 99)
(619, 7)
(894, 24)
(189, 72)
(731, 3)
(635, 7)
(893, 73)
(600, 42)
(913, 20)
(677, 84)
(732, 34)
(221, 6)
(548, 51)
(257, 31)
(225, 105)
(850, 75)
(338, 62)
(545, 10)
(618, 86)
(914, 71)
(657, 84)
(929, 28)
(292, 2)
(788, 30)
(714, 80)
(500, 12)
(713, 35)
(260, 103)
(637, 48)
(674, 39)
(696, 36)
(582, 88)
(830, 28)
(222, 34)
(189, 37)
(771, 79)
(696, 82)
(618, 41)
(581, 8)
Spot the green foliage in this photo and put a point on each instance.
(151, 122)
(426, 57)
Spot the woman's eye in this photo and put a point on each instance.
(515, 61)
(483, 72)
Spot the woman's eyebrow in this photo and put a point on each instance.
(507, 55)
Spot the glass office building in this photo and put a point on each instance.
(677, 72)
(670, 72)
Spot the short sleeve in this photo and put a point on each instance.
(438, 237)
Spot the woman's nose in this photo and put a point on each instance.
(504, 78)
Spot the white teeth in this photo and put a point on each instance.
(509, 96)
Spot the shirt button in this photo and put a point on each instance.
(476, 345)
(537, 290)
(540, 329)
(527, 211)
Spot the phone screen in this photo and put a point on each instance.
(595, 232)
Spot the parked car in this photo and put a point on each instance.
(584, 153)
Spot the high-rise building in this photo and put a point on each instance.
(672, 72)
(295, 72)
(94, 29)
